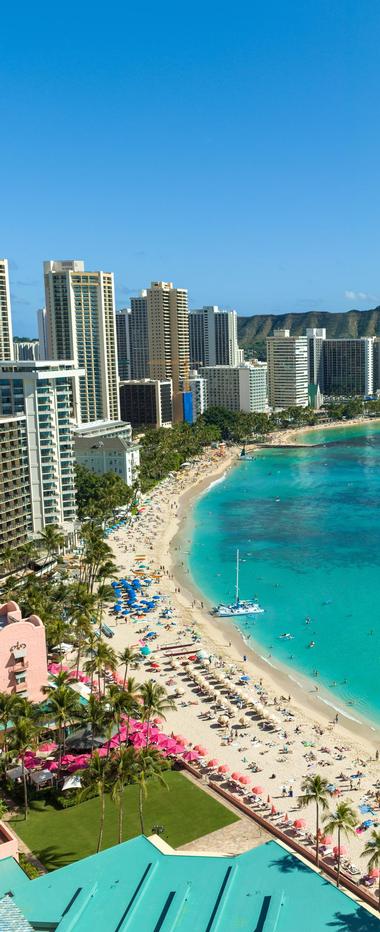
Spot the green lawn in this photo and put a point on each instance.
(58, 837)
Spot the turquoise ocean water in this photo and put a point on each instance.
(307, 523)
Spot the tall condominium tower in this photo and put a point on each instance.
(40, 391)
(168, 337)
(42, 333)
(213, 337)
(6, 337)
(288, 378)
(80, 310)
(123, 346)
(15, 495)
(138, 337)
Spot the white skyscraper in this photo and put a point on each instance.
(6, 336)
(80, 309)
(288, 377)
(41, 392)
(213, 337)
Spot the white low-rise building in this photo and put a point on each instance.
(106, 446)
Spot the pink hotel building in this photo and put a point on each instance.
(23, 659)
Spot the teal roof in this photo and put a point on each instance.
(136, 887)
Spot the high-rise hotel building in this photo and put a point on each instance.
(37, 447)
(81, 326)
(213, 337)
(6, 336)
(168, 337)
(288, 378)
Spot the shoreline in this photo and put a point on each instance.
(226, 638)
(288, 436)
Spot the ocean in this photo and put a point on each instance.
(307, 524)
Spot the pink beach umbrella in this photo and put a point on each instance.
(326, 840)
(201, 750)
(223, 768)
(235, 776)
(170, 744)
(257, 790)
(244, 780)
(51, 765)
(339, 850)
(299, 823)
(48, 747)
(191, 756)
(212, 763)
(375, 872)
(273, 810)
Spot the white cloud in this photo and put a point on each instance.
(359, 296)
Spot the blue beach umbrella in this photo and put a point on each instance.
(145, 650)
(245, 678)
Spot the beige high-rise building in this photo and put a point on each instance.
(6, 336)
(81, 326)
(168, 337)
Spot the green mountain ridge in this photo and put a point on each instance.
(252, 331)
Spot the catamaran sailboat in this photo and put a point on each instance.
(240, 606)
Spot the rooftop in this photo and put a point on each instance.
(136, 886)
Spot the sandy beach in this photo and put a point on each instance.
(296, 733)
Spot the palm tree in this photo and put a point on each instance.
(9, 704)
(82, 633)
(95, 715)
(106, 660)
(104, 594)
(344, 820)
(97, 776)
(64, 709)
(372, 852)
(148, 766)
(132, 700)
(314, 790)
(24, 737)
(51, 539)
(8, 558)
(155, 702)
(123, 765)
(126, 657)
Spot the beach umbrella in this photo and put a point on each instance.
(257, 790)
(145, 650)
(201, 751)
(244, 780)
(273, 810)
(299, 823)
(48, 747)
(223, 768)
(212, 763)
(339, 850)
(326, 840)
(236, 776)
(245, 678)
(181, 740)
(375, 872)
(190, 756)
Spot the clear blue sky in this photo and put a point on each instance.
(231, 148)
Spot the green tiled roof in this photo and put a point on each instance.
(134, 887)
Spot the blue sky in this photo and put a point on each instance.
(230, 148)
